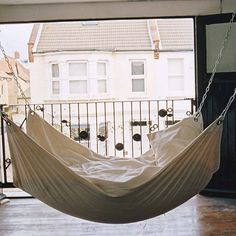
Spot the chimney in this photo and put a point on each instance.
(155, 37)
(17, 55)
(32, 40)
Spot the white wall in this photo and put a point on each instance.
(119, 76)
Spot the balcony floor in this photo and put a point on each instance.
(199, 216)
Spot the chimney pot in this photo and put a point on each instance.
(17, 55)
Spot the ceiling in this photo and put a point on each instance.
(23, 2)
(19, 11)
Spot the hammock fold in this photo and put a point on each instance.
(75, 180)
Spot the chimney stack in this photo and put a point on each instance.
(17, 55)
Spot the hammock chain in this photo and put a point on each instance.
(218, 60)
(14, 76)
(231, 99)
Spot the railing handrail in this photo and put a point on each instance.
(104, 101)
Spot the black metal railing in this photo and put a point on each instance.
(111, 128)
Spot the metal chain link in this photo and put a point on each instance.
(218, 60)
(14, 76)
(231, 99)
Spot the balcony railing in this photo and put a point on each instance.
(111, 128)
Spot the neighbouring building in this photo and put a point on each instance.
(110, 61)
(9, 92)
(148, 59)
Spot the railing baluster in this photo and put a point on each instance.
(114, 125)
(25, 111)
(61, 117)
(105, 120)
(132, 127)
(140, 126)
(43, 110)
(69, 118)
(166, 115)
(87, 120)
(149, 116)
(52, 115)
(173, 111)
(158, 118)
(3, 148)
(78, 108)
(96, 120)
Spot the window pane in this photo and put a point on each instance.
(78, 87)
(176, 83)
(55, 70)
(78, 69)
(101, 69)
(55, 87)
(137, 68)
(102, 86)
(138, 85)
(175, 66)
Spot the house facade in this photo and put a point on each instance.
(108, 62)
(90, 60)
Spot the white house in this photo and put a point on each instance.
(90, 60)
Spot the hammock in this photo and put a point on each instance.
(73, 179)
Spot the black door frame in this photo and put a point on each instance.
(221, 183)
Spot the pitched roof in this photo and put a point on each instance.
(175, 34)
(116, 35)
(18, 67)
(102, 35)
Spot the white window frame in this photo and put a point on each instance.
(78, 78)
(55, 79)
(172, 75)
(133, 77)
(102, 78)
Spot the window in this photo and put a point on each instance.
(138, 68)
(78, 82)
(78, 69)
(55, 70)
(55, 87)
(138, 76)
(55, 79)
(176, 74)
(102, 77)
(78, 87)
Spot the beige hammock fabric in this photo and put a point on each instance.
(73, 179)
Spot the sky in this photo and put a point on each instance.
(14, 37)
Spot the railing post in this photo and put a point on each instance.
(193, 103)
(2, 160)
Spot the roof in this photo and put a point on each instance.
(102, 35)
(175, 34)
(116, 35)
(18, 67)
(33, 34)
